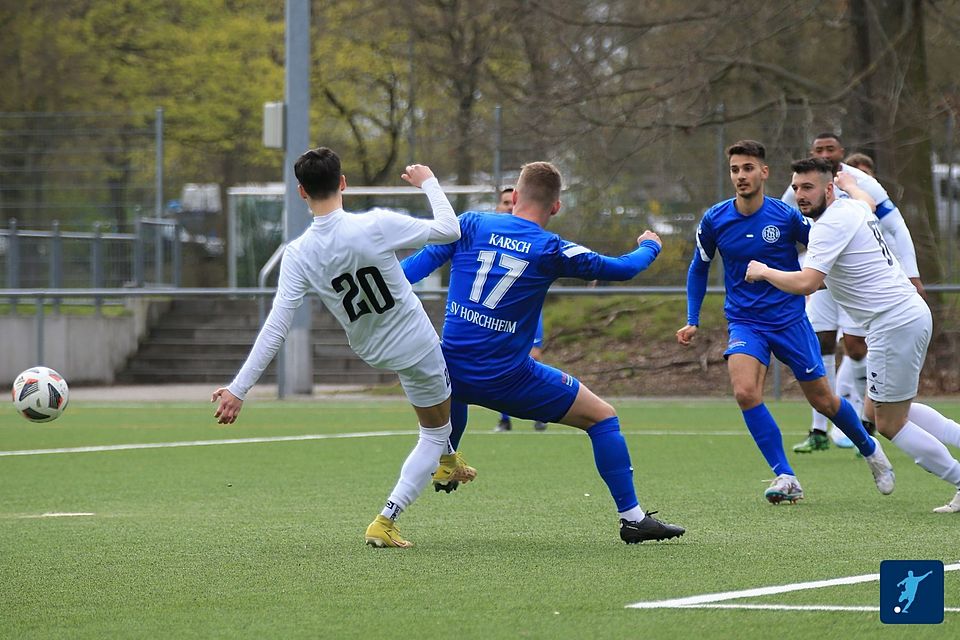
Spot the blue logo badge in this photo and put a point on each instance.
(911, 592)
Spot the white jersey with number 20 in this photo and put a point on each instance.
(350, 261)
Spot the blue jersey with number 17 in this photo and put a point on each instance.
(500, 270)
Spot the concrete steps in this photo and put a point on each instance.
(208, 340)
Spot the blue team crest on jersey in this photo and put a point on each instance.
(770, 233)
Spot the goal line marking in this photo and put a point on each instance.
(710, 600)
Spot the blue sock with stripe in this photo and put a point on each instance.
(849, 422)
(767, 435)
(613, 462)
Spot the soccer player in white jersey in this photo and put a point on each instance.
(349, 260)
(827, 318)
(848, 252)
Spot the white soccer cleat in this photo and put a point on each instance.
(951, 507)
(784, 488)
(882, 469)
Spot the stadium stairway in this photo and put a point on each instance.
(208, 341)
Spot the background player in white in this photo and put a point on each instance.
(349, 260)
(827, 318)
(861, 161)
(848, 252)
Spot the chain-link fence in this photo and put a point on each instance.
(80, 168)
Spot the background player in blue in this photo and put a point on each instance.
(505, 205)
(500, 271)
(764, 319)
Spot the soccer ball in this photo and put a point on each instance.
(40, 394)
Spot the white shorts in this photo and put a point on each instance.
(896, 348)
(826, 315)
(427, 383)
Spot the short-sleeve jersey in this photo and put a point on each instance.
(349, 260)
(500, 270)
(862, 274)
(769, 235)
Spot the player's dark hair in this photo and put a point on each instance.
(750, 148)
(826, 135)
(506, 190)
(815, 165)
(540, 182)
(318, 170)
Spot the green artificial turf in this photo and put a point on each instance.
(265, 540)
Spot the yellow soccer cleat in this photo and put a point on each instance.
(452, 471)
(383, 532)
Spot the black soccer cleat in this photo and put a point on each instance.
(448, 487)
(648, 529)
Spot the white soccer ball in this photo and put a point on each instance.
(40, 394)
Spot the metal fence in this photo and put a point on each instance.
(92, 259)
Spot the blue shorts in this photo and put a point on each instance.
(795, 345)
(533, 391)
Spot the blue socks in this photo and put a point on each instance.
(613, 462)
(767, 435)
(848, 421)
(458, 422)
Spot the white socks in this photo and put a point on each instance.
(928, 452)
(830, 364)
(849, 385)
(933, 422)
(417, 469)
(633, 515)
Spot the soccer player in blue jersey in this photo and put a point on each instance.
(762, 319)
(500, 271)
(505, 205)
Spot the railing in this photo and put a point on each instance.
(39, 296)
(95, 259)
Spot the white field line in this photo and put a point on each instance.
(708, 600)
(323, 436)
(794, 607)
(60, 515)
(201, 443)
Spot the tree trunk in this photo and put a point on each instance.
(903, 76)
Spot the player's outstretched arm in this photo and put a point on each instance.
(290, 291)
(801, 283)
(574, 261)
(444, 227)
(426, 261)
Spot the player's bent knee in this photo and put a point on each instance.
(587, 410)
(747, 398)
